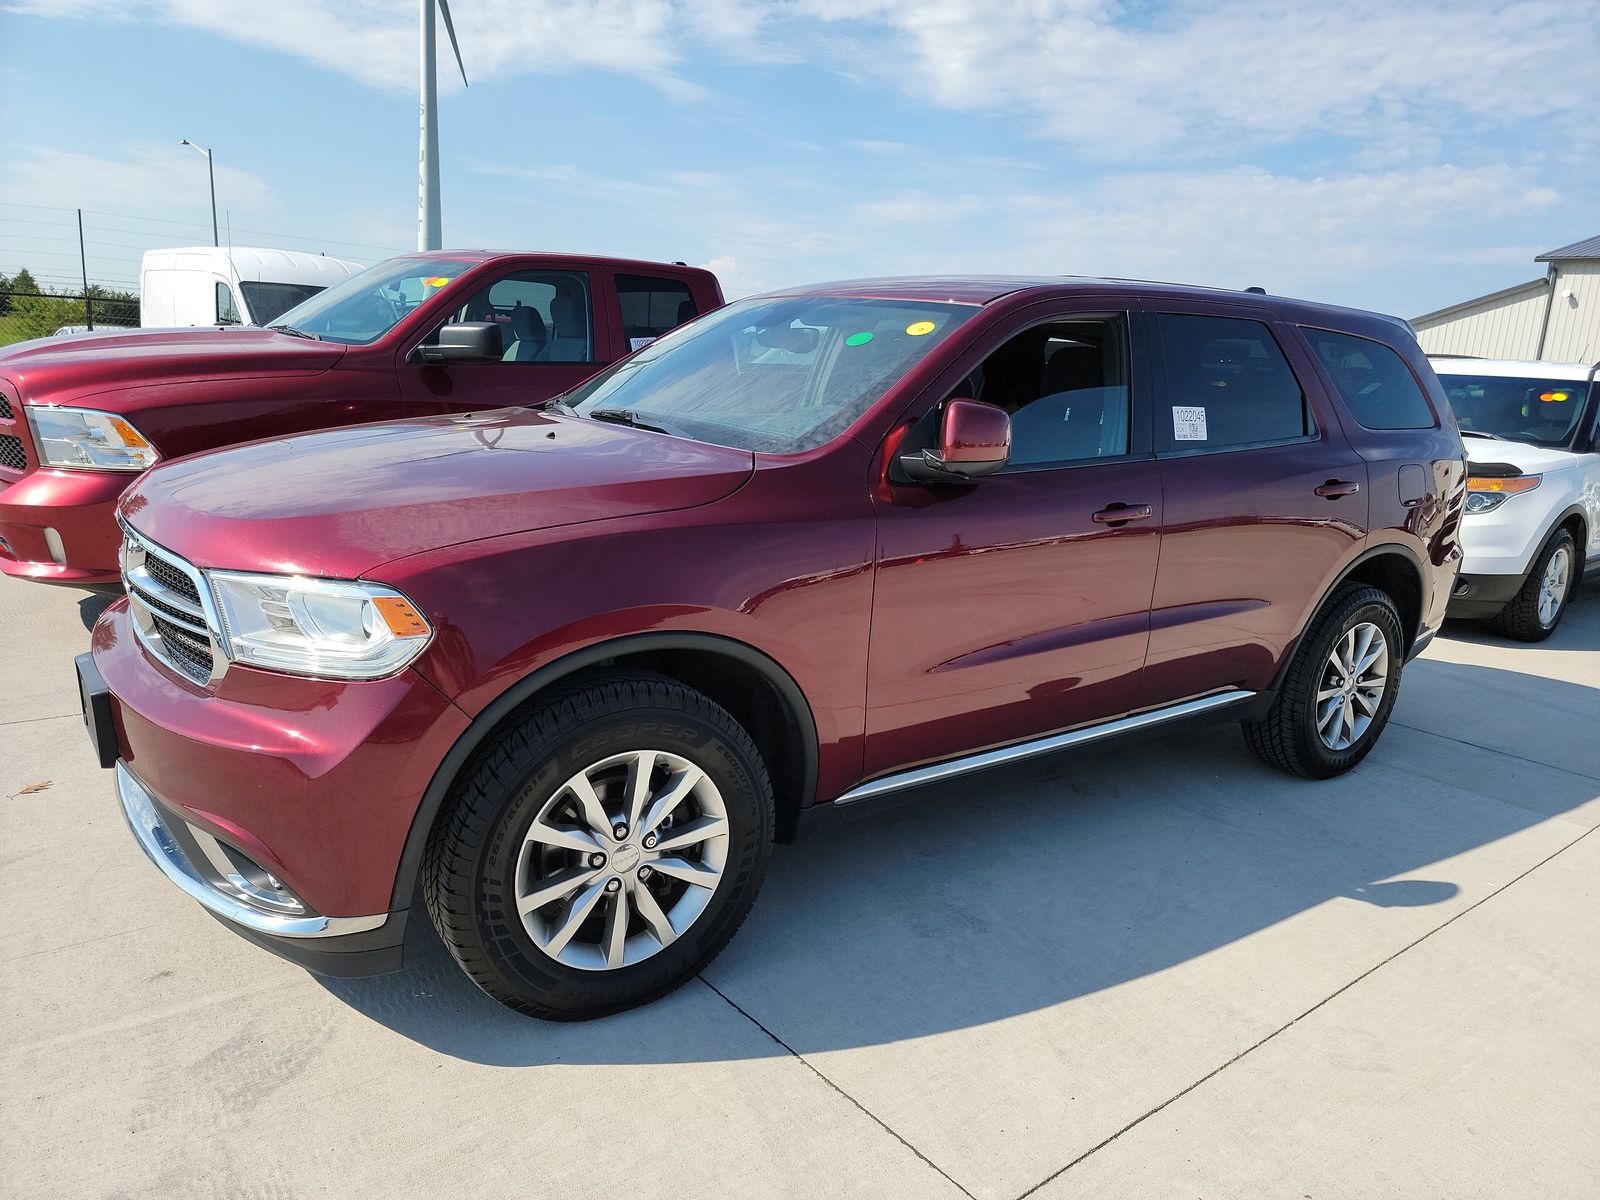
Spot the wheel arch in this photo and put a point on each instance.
(1392, 567)
(1576, 521)
(736, 675)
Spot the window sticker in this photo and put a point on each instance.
(637, 343)
(1188, 424)
(1553, 397)
(918, 328)
(436, 281)
(858, 339)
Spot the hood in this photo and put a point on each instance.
(81, 364)
(1527, 458)
(342, 502)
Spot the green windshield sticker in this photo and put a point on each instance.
(858, 339)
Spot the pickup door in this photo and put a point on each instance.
(557, 328)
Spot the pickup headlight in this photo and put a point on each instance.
(1485, 493)
(323, 627)
(88, 440)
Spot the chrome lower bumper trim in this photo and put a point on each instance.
(149, 828)
(1045, 745)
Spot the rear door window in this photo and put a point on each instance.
(1228, 385)
(652, 306)
(1374, 382)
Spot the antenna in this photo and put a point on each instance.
(430, 223)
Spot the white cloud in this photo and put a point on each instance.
(1112, 79)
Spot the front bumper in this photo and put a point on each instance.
(1479, 597)
(366, 945)
(61, 526)
(281, 804)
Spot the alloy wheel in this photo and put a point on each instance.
(1353, 682)
(1553, 586)
(621, 860)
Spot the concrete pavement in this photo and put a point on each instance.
(1153, 969)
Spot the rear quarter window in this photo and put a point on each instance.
(1377, 387)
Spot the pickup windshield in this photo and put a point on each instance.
(774, 375)
(1541, 411)
(360, 310)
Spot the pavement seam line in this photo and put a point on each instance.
(863, 1109)
(35, 720)
(1212, 1074)
(1496, 750)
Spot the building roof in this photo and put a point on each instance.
(1533, 285)
(1588, 248)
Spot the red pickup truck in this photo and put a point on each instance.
(443, 332)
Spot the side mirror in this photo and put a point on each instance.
(974, 440)
(468, 341)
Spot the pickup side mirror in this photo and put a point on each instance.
(974, 440)
(468, 341)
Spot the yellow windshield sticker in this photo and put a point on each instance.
(918, 328)
(436, 281)
(1553, 397)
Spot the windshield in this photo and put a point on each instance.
(772, 375)
(360, 310)
(269, 301)
(1541, 411)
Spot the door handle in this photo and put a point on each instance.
(1336, 488)
(1121, 514)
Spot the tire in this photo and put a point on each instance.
(1291, 737)
(486, 853)
(1525, 615)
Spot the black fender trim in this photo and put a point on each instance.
(1400, 549)
(593, 656)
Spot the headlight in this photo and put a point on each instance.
(317, 626)
(1485, 493)
(89, 440)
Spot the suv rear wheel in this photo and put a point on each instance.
(1534, 612)
(603, 849)
(1338, 692)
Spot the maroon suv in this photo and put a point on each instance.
(573, 669)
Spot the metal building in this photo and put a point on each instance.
(1555, 317)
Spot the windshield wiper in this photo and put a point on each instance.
(1493, 437)
(623, 416)
(557, 404)
(293, 332)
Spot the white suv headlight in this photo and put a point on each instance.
(323, 627)
(88, 440)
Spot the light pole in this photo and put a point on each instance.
(212, 175)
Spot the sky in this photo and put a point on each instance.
(1394, 156)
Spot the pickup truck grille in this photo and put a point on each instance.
(169, 614)
(13, 454)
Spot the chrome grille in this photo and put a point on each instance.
(169, 613)
(11, 454)
(173, 578)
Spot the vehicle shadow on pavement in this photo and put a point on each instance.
(96, 602)
(1031, 886)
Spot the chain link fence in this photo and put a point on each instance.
(25, 315)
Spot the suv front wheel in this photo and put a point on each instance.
(1534, 612)
(1338, 692)
(602, 849)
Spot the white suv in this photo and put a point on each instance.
(1532, 518)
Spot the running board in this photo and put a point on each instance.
(1046, 745)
